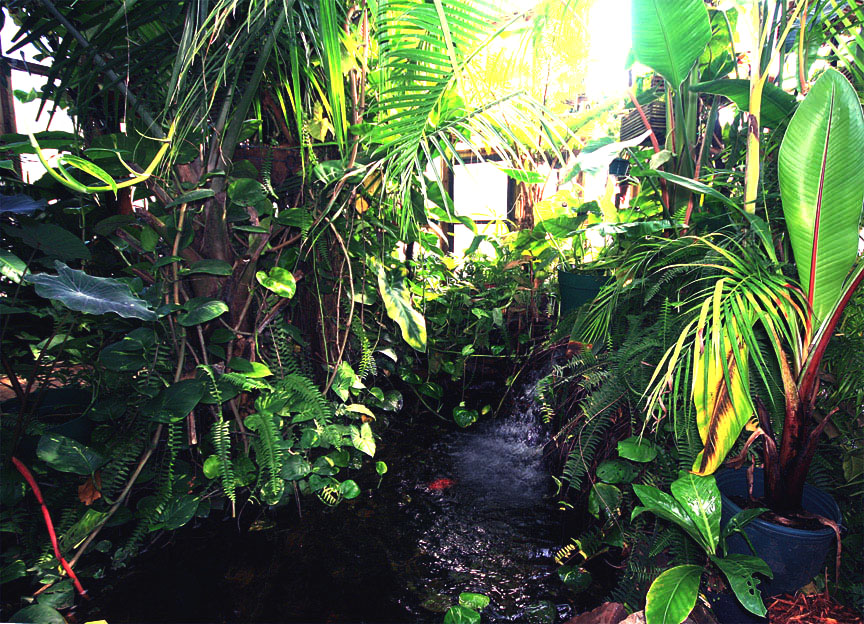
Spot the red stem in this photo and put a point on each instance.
(48, 524)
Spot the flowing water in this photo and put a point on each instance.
(471, 510)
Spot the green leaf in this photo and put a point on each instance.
(637, 449)
(38, 614)
(209, 267)
(11, 266)
(67, 455)
(295, 468)
(149, 238)
(246, 192)
(576, 578)
(380, 468)
(174, 403)
(349, 489)
(700, 498)
(739, 571)
(178, 512)
(211, 467)
(397, 301)
(457, 614)
(662, 504)
(279, 281)
(125, 355)
(672, 595)
(478, 602)
(464, 417)
(256, 370)
(777, 104)
(615, 471)
(14, 570)
(821, 173)
(191, 196)
(604, 497)
(50, 239)
(344, 380)
(740, 520)
(526, 177)
(200, 310)
(362, 439)
(669, 36)
(94, 295)
(89, 168)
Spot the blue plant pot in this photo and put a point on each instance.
(577, 289)
(794, 555)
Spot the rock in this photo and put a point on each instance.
(607, 613)
(639, 618)
(543, 612)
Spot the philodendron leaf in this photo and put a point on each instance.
(200, 310)
(278, 280)
(458, 614)
(662, 504)
(397, 301)
(637, 449)
(669, 36)
(363, 440)
(174, 403)
(700, 498)
(821, 174)
(94, 295)
(739, 571)
(67, 455)
(672, 595)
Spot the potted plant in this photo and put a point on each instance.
(821, 175)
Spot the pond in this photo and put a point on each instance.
(468, 510)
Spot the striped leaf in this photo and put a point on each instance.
(821, 172)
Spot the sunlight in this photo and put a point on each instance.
(610, 44)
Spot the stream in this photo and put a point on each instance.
(468, 510)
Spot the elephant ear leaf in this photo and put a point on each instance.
(720, 393)
(670, 36)
(821, 173)
(86, 293)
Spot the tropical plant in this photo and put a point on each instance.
(694, 506)
(821, 186)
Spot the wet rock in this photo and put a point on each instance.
(639, 618)
(607, 613)
(437, 603)
(543, 612)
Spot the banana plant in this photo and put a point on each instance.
(694, 506)
(821, 174)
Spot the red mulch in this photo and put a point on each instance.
(810, 609)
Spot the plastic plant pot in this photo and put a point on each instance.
(576, 289)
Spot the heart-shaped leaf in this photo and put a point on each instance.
(93, 295)
(279, 281)
(200, 310)
(68, 455)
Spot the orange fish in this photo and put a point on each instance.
(440, 484)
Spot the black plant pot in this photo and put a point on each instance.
(795, 556)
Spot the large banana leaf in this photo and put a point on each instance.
(670, 35)
(821, 171)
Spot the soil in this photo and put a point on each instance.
(803, 522)
(810, 609)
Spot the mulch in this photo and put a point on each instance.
(810, 609)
